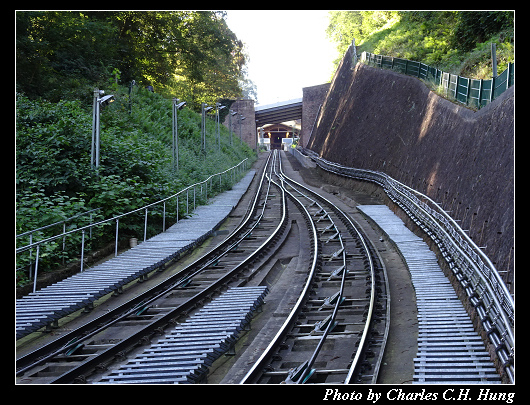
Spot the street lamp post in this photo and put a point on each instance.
(204, 110)
(100, 100)
(218, 107)
(177, 105)
(232, 113)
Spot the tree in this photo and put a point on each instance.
(178, 52)
(61, 53)
(472, 27)
(346, 25)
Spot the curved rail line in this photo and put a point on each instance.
(335, 333)
(287, 358)
(480, 280)
(202, 280)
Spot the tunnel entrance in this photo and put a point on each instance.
(276, 133)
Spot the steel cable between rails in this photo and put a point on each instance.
(366, 329)
(301, 378)
(160, 322)
(106, 320)
(254, 372)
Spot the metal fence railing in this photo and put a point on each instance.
(215, 183)
(480, 280)
(473, 92)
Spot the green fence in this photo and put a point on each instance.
(472, 92)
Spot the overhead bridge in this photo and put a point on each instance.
(279, 112)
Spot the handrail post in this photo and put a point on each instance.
(36, 268)
(64, 240)
(82, 249)
(90, 229)
(164, 218)
(30, 255)
(116, 239)
(145, 226)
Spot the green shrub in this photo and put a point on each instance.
(55, 181)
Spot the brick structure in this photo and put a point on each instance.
(244, 107)
(313, 97)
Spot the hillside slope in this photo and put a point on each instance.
(458, 42)
(382, 120)
(54, 178)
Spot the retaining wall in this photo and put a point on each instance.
(386, 121)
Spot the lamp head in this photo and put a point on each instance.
(106, 100)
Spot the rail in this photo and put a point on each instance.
(366, 330)
(479, 278)
(276, 340)
(303, 372)
(232, 172)
(143, 301)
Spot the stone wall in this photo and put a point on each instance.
(381, 120)
(248, 125)
(313, 97)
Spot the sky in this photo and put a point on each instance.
(288, 50)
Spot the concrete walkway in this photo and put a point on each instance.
(49, 304)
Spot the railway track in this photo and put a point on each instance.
(97, 344)
(481, 287)
(336, 331)
(173, 332)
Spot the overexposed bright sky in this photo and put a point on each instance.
(288, 50)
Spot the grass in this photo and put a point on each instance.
(429, 43)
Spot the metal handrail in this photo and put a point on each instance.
(479, 277)
(57, 223)
(117, 217)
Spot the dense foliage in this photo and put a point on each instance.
(61, 58)
(64, 54)
(454, 41)
(55, 180)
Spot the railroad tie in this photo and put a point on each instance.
(184, 354)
